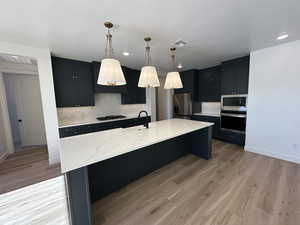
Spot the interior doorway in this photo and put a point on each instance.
(21, 105)
(24, 158)
(25, 110)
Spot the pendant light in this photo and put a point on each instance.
(110, 73)
(148, 76)
(173, 80)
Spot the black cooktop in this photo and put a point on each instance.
(111, 117)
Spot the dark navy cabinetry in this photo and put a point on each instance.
(73, 83)
(209, 85)
(212, 119)
(189, 82)
(133, 94)
(96, 127)
(235, 76)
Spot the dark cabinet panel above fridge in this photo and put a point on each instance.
(189, 83)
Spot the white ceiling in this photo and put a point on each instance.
(215, 30)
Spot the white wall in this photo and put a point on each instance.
(3, 151)
(6, 140)
(47, 92)
(273, 121)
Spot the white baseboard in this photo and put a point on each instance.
(272, 154)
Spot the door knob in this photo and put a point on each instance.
(19, 121)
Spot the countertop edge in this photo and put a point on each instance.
(63, 170)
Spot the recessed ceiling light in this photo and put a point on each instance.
(179, 66)
(126, 53)
(282, 36)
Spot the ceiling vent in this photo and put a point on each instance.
(180, 43)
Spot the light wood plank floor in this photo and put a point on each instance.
(26, 167)
(233, 188)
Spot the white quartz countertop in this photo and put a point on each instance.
(83, 150)
(207, 114)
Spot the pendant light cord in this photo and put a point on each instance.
(173, 58)
(147, 52)
(108, 47)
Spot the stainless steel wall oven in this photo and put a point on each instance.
(234, 112)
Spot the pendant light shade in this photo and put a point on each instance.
(148, 76)
(110, 73)
(173, 80)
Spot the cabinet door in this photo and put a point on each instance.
(228, 79)
(65, 83)
(102, 88)
(209, 85)
(242, 75)
(232, 137)
(187, 79)
(84, 82)
(210, 119)
(133, 94)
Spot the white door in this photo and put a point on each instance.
(29, 110)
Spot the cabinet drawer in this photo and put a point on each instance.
(233, 137)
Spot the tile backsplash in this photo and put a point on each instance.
(211, 107)
(105, 104)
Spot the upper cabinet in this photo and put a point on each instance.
(235, 76)
(209, 85)
(102, 88)
(189, 82)
(73, 83)
(133, 94)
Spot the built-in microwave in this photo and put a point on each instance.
(234, 103)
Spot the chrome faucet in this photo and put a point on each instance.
(146, 124)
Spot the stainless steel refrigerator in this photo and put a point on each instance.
(182, 105)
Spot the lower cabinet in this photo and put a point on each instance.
(218, 133)
(210, 119)
(96, 127)
(232, 137)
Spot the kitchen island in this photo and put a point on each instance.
(100, 163)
